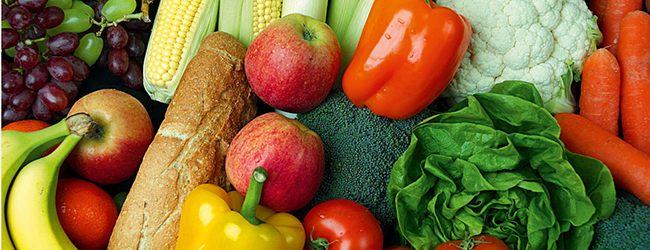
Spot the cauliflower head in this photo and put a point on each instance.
(544, 42)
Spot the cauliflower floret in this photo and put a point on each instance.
(544, 42)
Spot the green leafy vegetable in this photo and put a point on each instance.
(493, 164)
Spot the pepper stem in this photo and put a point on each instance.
(253, 195)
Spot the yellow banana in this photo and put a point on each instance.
(20, 148)
(31, 205)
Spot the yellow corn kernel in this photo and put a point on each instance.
(264, 13)
(178, 30)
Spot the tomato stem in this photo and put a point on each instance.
(318, 244)
(469, 242)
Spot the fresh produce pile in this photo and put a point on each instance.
(327, 124)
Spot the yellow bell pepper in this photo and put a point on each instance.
(214, 219)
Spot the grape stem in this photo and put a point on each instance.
(103, 24)
(11, 4)
(29, 42)
(127, 18)
(145, 10)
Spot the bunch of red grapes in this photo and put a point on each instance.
(124, 48)
(52, 55)
(123, 54)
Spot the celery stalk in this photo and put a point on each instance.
(315, 8)
(340, 14)
(350, 38)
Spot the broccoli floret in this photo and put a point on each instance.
(360, 150)
(628, 227)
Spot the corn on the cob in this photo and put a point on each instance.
(245, 19)
(264, 13)
(178, 30)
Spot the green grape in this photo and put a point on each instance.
(42, 44)
(80, 5)
(63, 4)
(90, 47)
(11, 52)
(119, 199)
(116, 9)
(75, 21)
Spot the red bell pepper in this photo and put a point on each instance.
(407, 54)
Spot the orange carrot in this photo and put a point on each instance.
(634, 60)
(615, 11)
(600, 90)
(629, 166)
(598, 7)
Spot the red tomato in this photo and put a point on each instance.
(345, 225)
(480, 242)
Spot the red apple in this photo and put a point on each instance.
(292, 64)
(115, 153)
(292, 154)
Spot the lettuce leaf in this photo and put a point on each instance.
(494, 164)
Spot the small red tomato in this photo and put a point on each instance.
(344, 225)
(479, 242)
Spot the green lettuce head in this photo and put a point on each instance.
(493, 164)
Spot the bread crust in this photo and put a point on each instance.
(212, 103)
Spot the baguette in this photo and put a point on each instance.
(212, 103)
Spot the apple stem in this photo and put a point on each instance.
(307, 33)
(253, 195)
